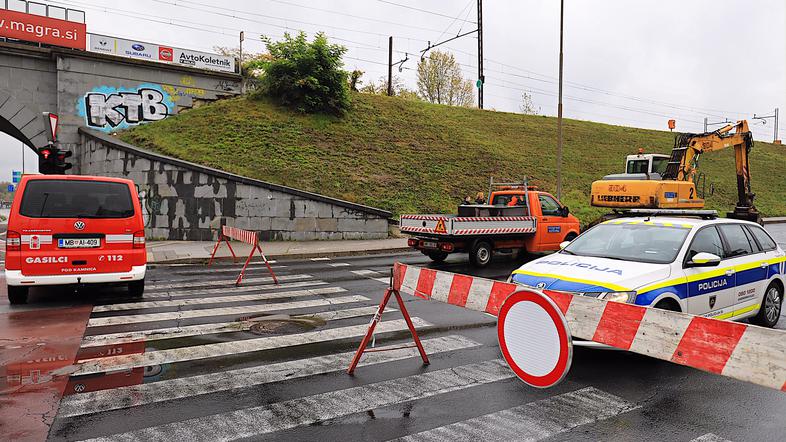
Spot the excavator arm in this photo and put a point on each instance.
(689, 147)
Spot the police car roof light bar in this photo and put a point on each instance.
(704, 214)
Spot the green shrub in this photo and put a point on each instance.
(304, 75)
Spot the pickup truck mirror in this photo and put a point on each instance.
(564, 211)
(704, 259)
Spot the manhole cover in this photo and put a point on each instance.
(283, 324)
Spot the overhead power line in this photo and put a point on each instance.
(423, 10)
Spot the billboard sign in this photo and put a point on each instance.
(160, 53)
(39, 29)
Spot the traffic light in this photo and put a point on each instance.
(52, 161)
(60, 161)
(45, 160)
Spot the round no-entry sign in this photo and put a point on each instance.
(534, 338)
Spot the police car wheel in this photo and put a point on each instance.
(481, 254)
(136, 288)
(17, 294)
(770, 309)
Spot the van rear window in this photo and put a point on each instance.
(76, 199)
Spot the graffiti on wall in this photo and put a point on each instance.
(107, 108)
(151, 204)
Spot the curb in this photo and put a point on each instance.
(286, 256)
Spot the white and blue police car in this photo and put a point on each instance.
(709, 266)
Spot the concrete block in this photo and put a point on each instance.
(282, 224)
(160, 221)
(327, 225)
(261, 223)
(305, 224)
(351, 225)
(302, 236)
(166, 191)
(325, 210)
(377, 226)
(352, 235)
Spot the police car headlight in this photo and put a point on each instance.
(626, 297)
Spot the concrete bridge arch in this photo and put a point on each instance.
(21, 121)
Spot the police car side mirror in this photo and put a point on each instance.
(704, 259)
(563, 244)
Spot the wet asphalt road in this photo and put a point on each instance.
(232, 383)
(194, 367)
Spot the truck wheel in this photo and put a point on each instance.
(570, 236)
(437, 256)
(481, 253)
(136, 288)
(17, 294)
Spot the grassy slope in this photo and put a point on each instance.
(409, 156)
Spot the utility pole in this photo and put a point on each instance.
(774, 116)
(481, 79)
(705, 125)
(390, 66)
(559, 104)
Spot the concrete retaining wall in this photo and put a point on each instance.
(186, 201)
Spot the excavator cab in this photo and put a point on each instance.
(669, 181)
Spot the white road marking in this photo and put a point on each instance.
(339, 264)
(320, 259)
(710, 437)
(256, 421)
(207, 329)
(188, 314)
(217, 299)
(533, 421)
(116, 363)
(232, 290)
(136, 395)
(371, 274)
(235, 270)
(202, 283)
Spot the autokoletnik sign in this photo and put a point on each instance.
(39, 29)
(163, 54)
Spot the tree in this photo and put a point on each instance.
(354, 79)
(305, 75)
(381, 88)
(440, 81)
(527, 107)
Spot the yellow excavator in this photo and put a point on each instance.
(648, 184)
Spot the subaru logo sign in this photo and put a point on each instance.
(138, 47)
(79, 225)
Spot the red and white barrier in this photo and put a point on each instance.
(737, 350)
(246, 236)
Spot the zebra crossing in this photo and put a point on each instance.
(203, 370)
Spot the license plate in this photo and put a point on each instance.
(78, 243)
(430, 244)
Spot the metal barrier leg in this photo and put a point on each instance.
(240, 277)
(215, 249)
(234, 258)
(411, 326)
(270, 269)
(370, 331)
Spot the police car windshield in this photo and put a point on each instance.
(76, 199)
(630, 242)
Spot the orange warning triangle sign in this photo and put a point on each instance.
(440, 228)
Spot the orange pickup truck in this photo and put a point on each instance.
(517, 217)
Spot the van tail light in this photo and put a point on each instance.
(139, 239)
(412, 242)
(13, 241)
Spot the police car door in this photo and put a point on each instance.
(753, 272)
(765, 264)
(710, 290)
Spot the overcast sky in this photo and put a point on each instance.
(634, 63)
